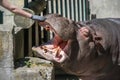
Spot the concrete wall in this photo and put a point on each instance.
(6, 54)
(105, 8)
(6, 45)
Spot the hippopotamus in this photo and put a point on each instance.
(88, 49)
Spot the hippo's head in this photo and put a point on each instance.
(64, 32)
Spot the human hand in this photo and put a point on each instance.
(39, 18)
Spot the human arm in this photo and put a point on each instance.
(6, 4)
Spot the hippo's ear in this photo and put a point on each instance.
(85, 32)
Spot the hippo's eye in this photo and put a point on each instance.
(47, 27)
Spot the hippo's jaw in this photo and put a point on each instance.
(56, 51)
(62, 47)
(55, 54)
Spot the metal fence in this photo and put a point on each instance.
(77, 10)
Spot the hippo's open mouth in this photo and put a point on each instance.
(56, 51)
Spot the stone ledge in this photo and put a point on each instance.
(31, 68)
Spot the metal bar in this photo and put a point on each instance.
(63, 8)
(42, 32)
(84, 10)
(80, 10)
(72, 10)
(54, 6)
(59, 7)
(68, 9)
(87, 10)
(30, 42)
(36, 34)
(76, 9)
(19, 45)
(49, 7)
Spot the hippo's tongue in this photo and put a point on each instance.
(59, 42)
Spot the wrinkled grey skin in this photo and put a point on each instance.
(93, 47)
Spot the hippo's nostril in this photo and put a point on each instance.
(45, 50)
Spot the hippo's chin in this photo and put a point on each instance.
(52, 54)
